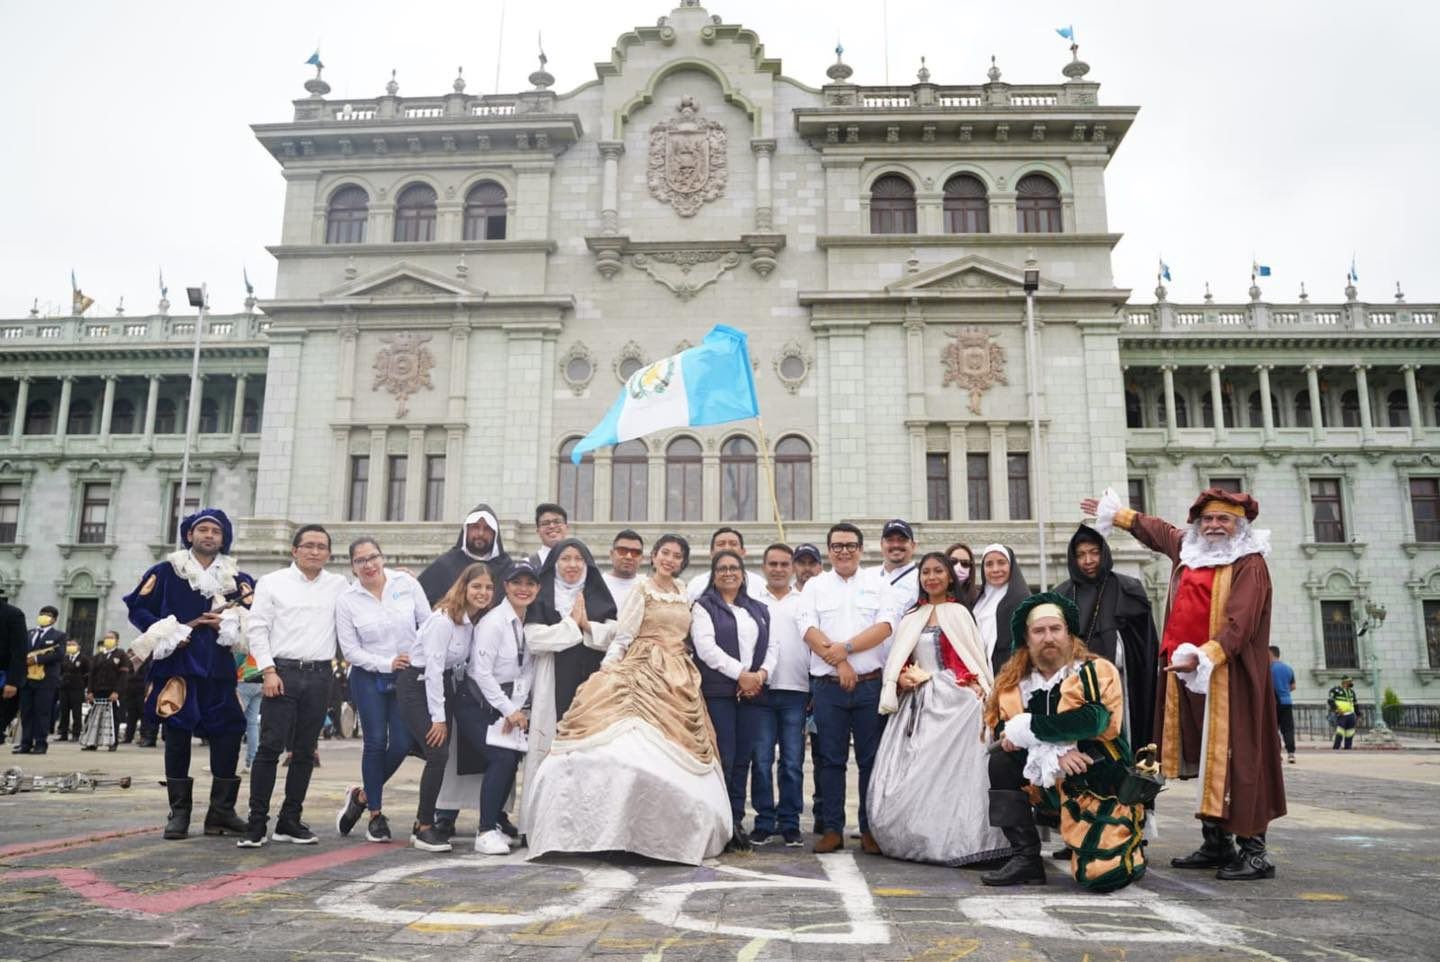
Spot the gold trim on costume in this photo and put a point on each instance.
(1224, 506)
(1215, 765)
(1125, 518)
(148, 586)
(1044, 611)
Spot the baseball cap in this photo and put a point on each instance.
(521, 569)
(808, 550)
(897, 526)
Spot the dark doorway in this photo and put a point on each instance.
(81, 624)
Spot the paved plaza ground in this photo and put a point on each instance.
(87, 877)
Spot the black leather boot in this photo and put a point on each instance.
(1011, 812)
(220, 817)
(1252, 862)
(1216, 851)
(177, 825)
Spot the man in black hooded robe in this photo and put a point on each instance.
(479, 540)
(1116, 623)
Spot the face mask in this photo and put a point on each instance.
(44, 621)
(72, 649)
(110, 643)
(962, 571)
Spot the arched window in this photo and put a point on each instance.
(1256, 414)
(485, 212)
(209, 416)
(967, 208)
(738, 480)
(250, 420)
(1037, 205)
(682, 480)
(415, 214)
(1397, 409)
(1134, 410)
(39, 418)
(1207, 411)
(630, 482)
(165, 416)
(793, 478)
(346, 216)
(1182, 412)
(1302, 410)
(1350, 409)
(81, 419)
(122, 416)
(575, 483)
(892, 206)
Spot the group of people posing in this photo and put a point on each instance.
(645, 710)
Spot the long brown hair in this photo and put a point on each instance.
(454, 603)
(1019, 666)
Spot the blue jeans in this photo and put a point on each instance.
(839, 716)
(782, 719)
(386, 739)
(738, 725)
(251, 694)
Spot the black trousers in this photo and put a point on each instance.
(289, 721)
(36, 707)
(415, 712)
(1286, 716)
(69, 712)
(9, 709)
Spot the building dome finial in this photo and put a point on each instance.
(839, 71)
(459, 85)
(994, 72)
(923, 74)
(1076, 69)
(393, 87)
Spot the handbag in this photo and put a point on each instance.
(1142, 781)
(171, 698)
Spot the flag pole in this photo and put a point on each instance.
(765, 460)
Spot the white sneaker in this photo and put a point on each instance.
(492, 842)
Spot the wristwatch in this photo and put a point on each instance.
(849, 647)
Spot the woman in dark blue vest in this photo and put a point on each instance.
(730, 632)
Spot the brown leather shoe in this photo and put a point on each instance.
(829, 842)
(868, 845)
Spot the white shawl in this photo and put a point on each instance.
(960, 631)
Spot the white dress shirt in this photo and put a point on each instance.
(747, 633)
(374, 632)
(497, 658)
(842, 608)
(904, 582)
(293, 616)
(792, 663)
(442, 644)
(754, 584)
(620, 588)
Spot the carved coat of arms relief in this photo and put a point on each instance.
(687, 165)
(975, 361)
(402, 367)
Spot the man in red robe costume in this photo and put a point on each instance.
(1215, 707)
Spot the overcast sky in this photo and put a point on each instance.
(1297, 130)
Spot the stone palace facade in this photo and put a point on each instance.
(465, 282)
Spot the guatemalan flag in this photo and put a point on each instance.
(709, 384)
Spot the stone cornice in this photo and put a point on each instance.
(967, 241)
(149, 353)
(539, 245)
(1303, 345)
(485, 310)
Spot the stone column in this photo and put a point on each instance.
(1362, 388)
(710, 483)
(340, 474)
(345, 389)
(375, 489)
(1217, 400)
(919, 497)
(604, 476)
(22, 401)
(610, 151)
(655, 476)
(959, 473)
(107, 407)
(1172, 429)
(152, 400)
(1317, 410)
(1412, 401)
(454, 473)
(237, 416)
(999, 472)
(192, 412)
(62, 413)
(1267, 413)
(764, 213)
(459, 368)
(415, 476)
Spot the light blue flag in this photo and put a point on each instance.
(1067, 32)
(709, 384)
(314, 60)
(1262, 270)
(1164, 270)
(1354, 275)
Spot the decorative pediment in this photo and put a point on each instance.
(971, 273)
(404, 280)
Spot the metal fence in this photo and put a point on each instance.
(1414, 721)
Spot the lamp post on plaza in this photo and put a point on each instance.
(1379, 733)
(199, 298)
(1032, 284)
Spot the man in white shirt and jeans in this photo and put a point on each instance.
(846, 617)
(291, 633)
(785, 699)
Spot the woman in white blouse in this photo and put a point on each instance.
(444, 646)
(377, 620)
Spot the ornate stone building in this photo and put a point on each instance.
(465, 282)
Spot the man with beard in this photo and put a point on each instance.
(1215, 714)
(1116, 624)
(479, 540)
(897, 546)
(807, 564)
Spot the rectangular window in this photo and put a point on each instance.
(1017, 470)
(179, 511)
(937, 486)
(395, 488)
(1425, 508)
(94, 510)
(1327, 511)
(1136, 489)
(977, 486)
(359, 486)
(682, 490)
(434, 487)
(1338, 624)
(629, 487)
(9, 513)
(1432, 632)
(576, 487)
(1233, 485)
